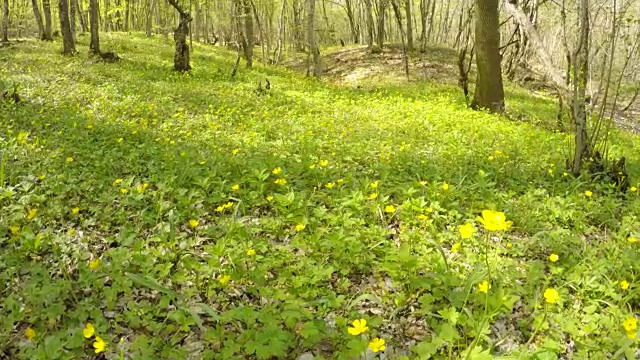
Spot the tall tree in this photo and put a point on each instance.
(407, 9)
(36, 14)
(72, 18)
(247, 15)
(68, 45)
(311, 38)
(181, 60)
(94, 22)
(382, 4)
(580, 77)
(5, 22)
(46, 9)
(489, 93)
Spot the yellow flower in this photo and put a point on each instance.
(235, 151)
(631, 334)
(220, 208)
(330, 185)
(551, 295)
(193, 223)
(14, 230)
(224, 279)
(445, 186)
(509, 245)
(624, 284)
(423, 183)
(75, 210)
(374, 184)
(466, 230)
(588, 193)
(634, 189)
(277, 170)
(69, 159)
(564, 174)
(554, 257)
(94, 264)
(312, 166)
(120, 140)
(484, 287)
(359, 327)
(280, 181)
(269, 198)
(340, 181)
(377, 345)
(373, 196)
(632, 239)
(456, 247)
(494, 220)
(389, 209)
(124, 191)
(228, 205)
(32, 214)
(550, 171)
(423, 217)
(300, 227)
(142, 187)
(630, 324)
(88, 330)
(490, 158)
(99, 345)
(324, 163)
(251, 252)
(30, 334)
(116, 182)
(235, 187)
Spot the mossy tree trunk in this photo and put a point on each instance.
(94, 23)
(46, 9)
(489, 92)
(181, 61)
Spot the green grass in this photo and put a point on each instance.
(142, 151)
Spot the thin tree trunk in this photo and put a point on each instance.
(281, 31)
(5, 22)
(352, 23)
(311, 38)
(150, 18)
(407, 9)
(247, 45)
(580, 78)
(106, 22)
(68, 45)
(94, 23)
(489, 93)
(36, 14)
(72, 18)
(381, 10)
(81, 16)
(369, 16)
(46, 9)
(181, 60)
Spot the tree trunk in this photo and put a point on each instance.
(311, 38)
(68, 45)
(81, 16)
(369, 15)
(281, 32)
(352, 23)
(36, 14)
(72, 18)
(580, 78)
(106, 22)
(248, 32)
(180, 34)
(489, 93)
(46, 9)
(381, 10)
(5, 22)
(407, 10)
(150, 18)
(94, 20)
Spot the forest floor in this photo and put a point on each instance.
(147, 214)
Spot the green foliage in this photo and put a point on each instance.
(120, 209)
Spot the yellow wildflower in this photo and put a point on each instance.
(324, 163)
(14, 230)
(456, 247)
(632, 239)
(624, 284)
(445, 186)
(551, 295)
(490, 158)
(554, 257)
(94, 264)
(374, 184)
(116, 182)
(75, 210)
(30, 334)
(280, 181)
(423, 183)
(251, 252)
(88, 330)
(377, 345)
(193, 223)
(277, 171)
(423, 217)
(390, 209)
(124, 191)
(466, 231)
(373, 196)
(564, 174)
(300, 227)
(588, 193)
(330, 185)
(99, 345)
(634, 189)
(484, 287)
(224, 279)
(312, 166)
(340, 181)
(235, 151)
(269, 198)
(69, 159)
(494, 220)
(630, 324)
(358, 327)
(32, 214)
(235, 187)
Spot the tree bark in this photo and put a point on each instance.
(407, 9)
(181, 58)
(94, 20)
(382, 4)
(352, 23)
(580, 78)
(46, 9)
(489, 92)
(369, 15)
(281, 32)
(68, 45)
(248, 32)
(311, 38)
(36, 14)
(5, 22)
(72, 18)
(150, 18)
(81, 16)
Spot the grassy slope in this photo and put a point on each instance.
(84, 126)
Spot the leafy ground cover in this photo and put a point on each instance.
(148, 214)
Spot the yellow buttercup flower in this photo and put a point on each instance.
(99, 345)
(277, 171)
(280, 181)
(423, 183)
(324, 163)
(30, 334)
(358, 327)
(75, 210)
(632, 239)
(224, 279)
(32, 214)
(15, 230)
(389, 209)
(377, 345)
(235, 187)
(94, 264)
(484, 287)
(235, 151)
(116, 182)
(551, 296)
(330, 185)
(630, 324)
(374, 185)
(634, 189)
(88, 330)
(373, 196)
(193, 223)
(340, 181)
(456, 247)
(445, 186)
(494, 220)
(69, 159)
(300, 227)
(423, 217)
(554, 257)
(466, 231)
(624, 284)
(124, 191)
(251, 252)
(269, 198)
(588, 193)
